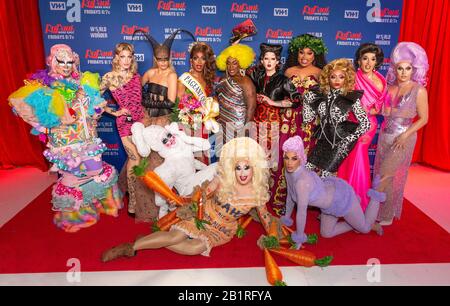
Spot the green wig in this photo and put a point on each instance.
(243, 53)
(308, 41)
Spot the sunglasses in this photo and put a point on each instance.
(162, 59)
(167, 138)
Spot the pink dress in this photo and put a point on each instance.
(356, 168)
(129, 96)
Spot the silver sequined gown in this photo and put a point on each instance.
(395, 163)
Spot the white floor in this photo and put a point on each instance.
(387, 275)
(20, 186)
(429, 190)
(426, 188)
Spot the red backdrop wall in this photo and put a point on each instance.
(428, 24)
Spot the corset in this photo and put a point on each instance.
(155, 101)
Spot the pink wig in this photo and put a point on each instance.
(412, 53)
(295, 144)
(52, 63)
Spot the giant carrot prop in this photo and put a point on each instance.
(166, 219)
(302, 257)
(273, 272)
(155, 183)
(166, 226)
(273, 230)
(242, 226)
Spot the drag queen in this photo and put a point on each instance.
(408, 98)
(306, 59)
(198, 83)
(159, 89)
(124, 83)
(236, 93)
(63, 106)
(240, 185)
(160, 82)
(332, 195)
(337, 132)
(355, 169)
(274, 93)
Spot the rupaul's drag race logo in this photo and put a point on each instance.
(278, 36)
(96, 7)
(348, 38)
(315, 13)
(208, 34)
(178, 58)
(98, 57)
(244, 10)
(171, 8)
(377, 13)
(127, 32)
(59, 31)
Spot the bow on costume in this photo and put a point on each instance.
(210, 112)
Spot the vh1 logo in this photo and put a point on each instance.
(351, 14)
(209, 9)
(139, 57)
(134, 7)
(57, 6)
(281, 12)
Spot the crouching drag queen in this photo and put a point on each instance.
(240, 185)
(335, 197)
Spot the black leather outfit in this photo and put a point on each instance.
(155, 101)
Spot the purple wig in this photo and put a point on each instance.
(295, 144)
(413, 53)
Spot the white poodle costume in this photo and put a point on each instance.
(179, 167)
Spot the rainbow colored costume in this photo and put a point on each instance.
(64, 111)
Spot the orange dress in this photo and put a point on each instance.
(223, 219)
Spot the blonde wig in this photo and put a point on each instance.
(124, 47)
(243, 149)
(243, 53)
(339, 64)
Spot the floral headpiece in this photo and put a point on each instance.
(308, 41)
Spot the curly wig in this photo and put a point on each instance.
(338, 64)
(209, 73)
(413, 53)
(124, 47)
(239, 149)
(369, 48)
(243, 53)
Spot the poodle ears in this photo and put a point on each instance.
(137, 137)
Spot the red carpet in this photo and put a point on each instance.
(31, 243)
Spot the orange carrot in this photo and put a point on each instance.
(154, 182)
(246, 222)
(302, 257)
(286, 230)
(200, 210)
(166, 226)
(167, 218)
(273, 231)
(273, 272)
(242, 225)
(240, 220)
(284, 241)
